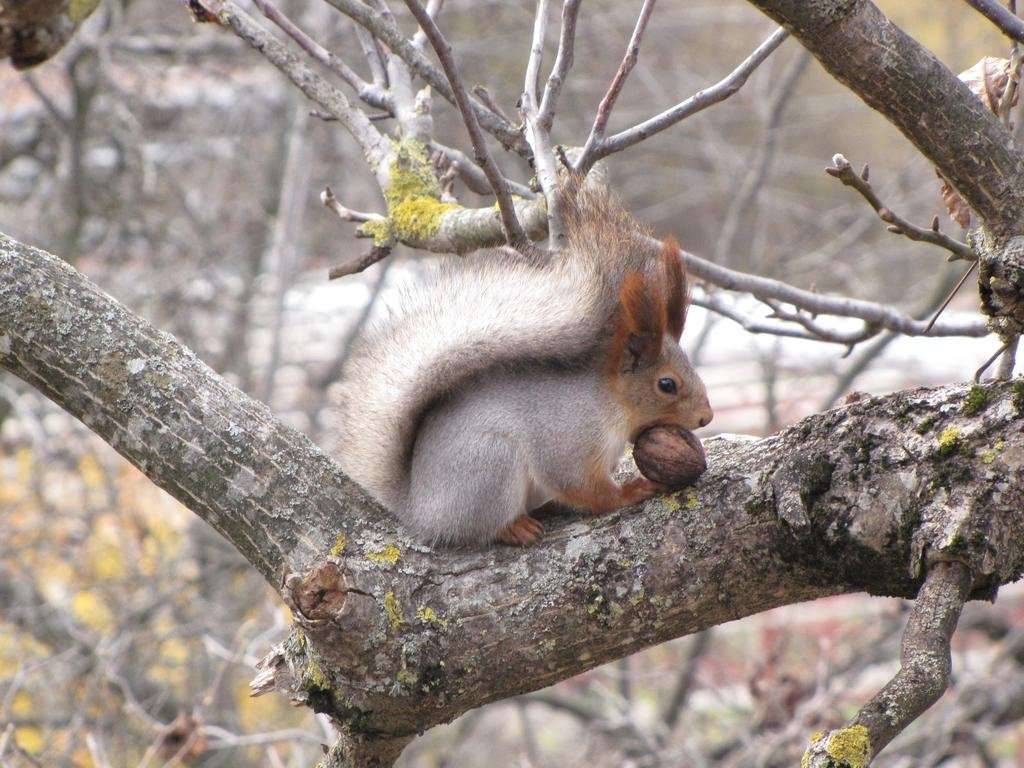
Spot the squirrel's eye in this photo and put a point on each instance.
(667, 385)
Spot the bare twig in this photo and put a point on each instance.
(510, 222)
(473, 175)
(562, 65)
(434, 7)
(815, 303)
(1009, 359)
(604, 109)
(700, 101)
(988, 363)
(374, 56)
(374, 146)
(489, 101)
(377, 253)
(1010, 24)
(867, 356)
(347, 214)
(949, 298)
(842, 170)
(537, 133)
(388, 33)
(372, 94)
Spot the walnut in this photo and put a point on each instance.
(669, 455)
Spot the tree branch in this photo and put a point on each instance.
(841, 169)
(395, 637)
(903, 81)
(514, 233)
(720, 91)
(373, 95)
(374, 146)
(390, 35)
(1009, 23)
(590, 153)
(538, 131)
(923, 677)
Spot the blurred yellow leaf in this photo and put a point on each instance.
(90, 609)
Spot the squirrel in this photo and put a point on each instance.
(508, 381)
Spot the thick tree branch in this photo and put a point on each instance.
(395, 637)
(903, 81)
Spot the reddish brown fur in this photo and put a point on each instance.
(639, 325)
(678, 300)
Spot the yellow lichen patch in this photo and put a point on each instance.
(949, 440)
(387, 555)
(339, 545)
(672, 503)
(428, 615)
(393, 610)
(988, 456)
(406, 677)
(413, 196)
(692, 502)
(850, 747)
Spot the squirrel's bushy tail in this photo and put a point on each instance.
(488, 310)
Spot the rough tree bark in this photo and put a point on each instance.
(393, 638)
(881, 495)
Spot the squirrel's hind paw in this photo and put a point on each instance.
(521, 532)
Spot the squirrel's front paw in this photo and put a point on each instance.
(640, 489)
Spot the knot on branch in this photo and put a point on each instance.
(318, 596)
(1001, 283)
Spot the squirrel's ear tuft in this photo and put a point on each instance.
(640, 324)
(677, 299)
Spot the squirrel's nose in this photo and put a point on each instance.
(706, 418)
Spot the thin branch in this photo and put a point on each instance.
(374, 146)
(473, 176)
(389, 34)
(374, 56)
(1009, 359)
(879, 345)
(533, 64)
(1009, 23)
(514, 233)
(819, 304)
(604, 109)
(347, 214)
(377, 253)
(434, 7)
(562, 65)
(700, 101)
(373, 95)
(842, 170)
(952, 293)
(988, 363)
(538, 135)
(925, 666)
